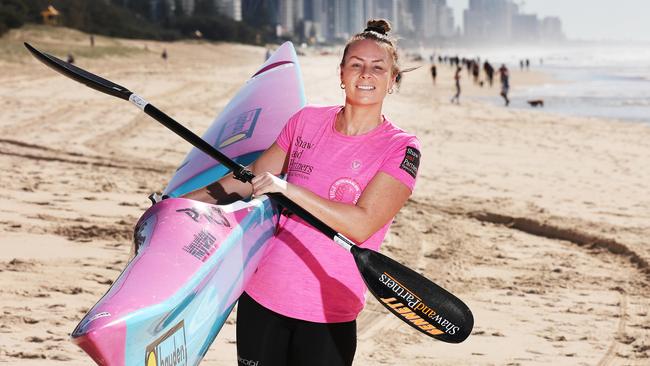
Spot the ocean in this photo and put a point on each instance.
(609, 81)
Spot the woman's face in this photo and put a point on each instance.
(367, 73)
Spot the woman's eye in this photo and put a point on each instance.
(379, 68)
(356, 65)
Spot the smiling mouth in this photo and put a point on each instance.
(366, 87)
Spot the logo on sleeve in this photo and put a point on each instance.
(411, 161)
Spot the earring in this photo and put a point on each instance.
(342, 86)
(390, 91)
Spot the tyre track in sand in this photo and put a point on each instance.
(610, 355)
(36, 152)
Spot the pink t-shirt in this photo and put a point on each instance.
(304, 274)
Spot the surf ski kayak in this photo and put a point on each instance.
(192, 260)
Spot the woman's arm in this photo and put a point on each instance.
(380, 201)
(228, 189)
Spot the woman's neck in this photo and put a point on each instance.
(356, 120)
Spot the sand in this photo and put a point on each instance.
(538, 221)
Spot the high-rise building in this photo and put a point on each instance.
(298, 10)
(423, 17)
(525, 27)
(286, 18)
(332, 20)
(369, 10)
(551, 29)
(356, 21)
(430, 18)
(500, 21)
(340, 19)
(230, 8)
(446, 25)
(489, 20)
(188, 6)
(319, 19)
(388, 9)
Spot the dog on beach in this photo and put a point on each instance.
(536, 103)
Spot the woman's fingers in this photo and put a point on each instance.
(262, 184)
(267, 183)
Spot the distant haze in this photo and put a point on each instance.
(586, 19)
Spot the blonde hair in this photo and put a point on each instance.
(376, 30)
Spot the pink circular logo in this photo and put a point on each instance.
(345, 190)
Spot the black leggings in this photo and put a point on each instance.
(265, 338)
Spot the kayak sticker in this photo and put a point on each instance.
(190, 212)
(215, 215)
(202, 246)
(103, 314)
(238, 128)
(85, 323)
(142, 233)
(411, 161)
(168, 350)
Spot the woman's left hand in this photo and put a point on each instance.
(268, 183)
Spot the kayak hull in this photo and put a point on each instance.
(192, 263)
(193, 259)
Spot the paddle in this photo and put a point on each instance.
(416, 300)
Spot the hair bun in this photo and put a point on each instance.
(380, 26)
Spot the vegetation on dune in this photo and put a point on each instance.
(143, 19)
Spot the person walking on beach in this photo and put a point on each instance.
(489, 72)
(456, 97)
(505, 82)
(164, 54)
(475, 71)
(434, 73)
(353, 169)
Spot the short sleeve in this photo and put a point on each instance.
(285, 137)
(403, 162)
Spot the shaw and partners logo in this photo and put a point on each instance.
(410, 307)
(168, 350)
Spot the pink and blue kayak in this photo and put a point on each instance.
(192, 260)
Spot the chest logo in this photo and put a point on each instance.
(345, 190)
(356, 164)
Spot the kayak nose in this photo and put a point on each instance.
(103, 343)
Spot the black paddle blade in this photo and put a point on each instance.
(80, 75)
(419, 302)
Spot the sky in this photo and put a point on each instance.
(587, 19)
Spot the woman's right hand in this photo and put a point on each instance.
(268, 183)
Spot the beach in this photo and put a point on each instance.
(538, 221)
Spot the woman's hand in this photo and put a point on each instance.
(268, 183)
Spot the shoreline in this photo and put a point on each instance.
(534, 220)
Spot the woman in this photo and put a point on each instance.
(353, 169)
(456, 97)
(505, 83)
